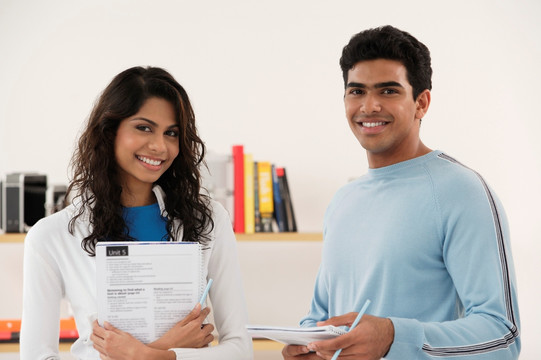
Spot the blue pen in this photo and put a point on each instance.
(204, 296)
(357, 319)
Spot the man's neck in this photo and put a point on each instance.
(376, 160)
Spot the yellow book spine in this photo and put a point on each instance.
(249, 216)
(266, 203)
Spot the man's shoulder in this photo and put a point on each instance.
(454, 181)
(447, 168)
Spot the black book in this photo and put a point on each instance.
(291, 224)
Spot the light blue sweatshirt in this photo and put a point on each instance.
(428, 242)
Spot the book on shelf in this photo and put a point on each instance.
(258, 227)
(249, 207)
(266, 200)
(238, 171)
(254, 192)
(279, 206)
(291, 223)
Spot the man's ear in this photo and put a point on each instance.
(422, 103)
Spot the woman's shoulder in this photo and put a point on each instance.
(51, 228)
(217, 207)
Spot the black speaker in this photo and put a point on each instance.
(24, 198)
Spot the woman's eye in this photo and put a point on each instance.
(172, 133)
(143, 128)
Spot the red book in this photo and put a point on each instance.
(238, 171)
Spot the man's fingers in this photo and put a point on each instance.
(342, 320)
(294, 350)
(331, 345)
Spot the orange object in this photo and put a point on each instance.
(13, 325)
(68, 329)
(10, 328)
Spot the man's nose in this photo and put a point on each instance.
(370, 104)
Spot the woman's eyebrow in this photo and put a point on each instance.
(153, 123)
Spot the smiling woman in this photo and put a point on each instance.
(130, 183)
(145, 146)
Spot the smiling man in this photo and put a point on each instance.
(420, 235)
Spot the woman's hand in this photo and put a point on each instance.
(187, 333)
(115, 344)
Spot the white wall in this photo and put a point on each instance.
(265, 74)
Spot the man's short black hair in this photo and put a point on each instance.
(388, 42)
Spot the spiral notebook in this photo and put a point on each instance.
(294, 335)
(144, 288)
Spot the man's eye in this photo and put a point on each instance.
(355, 91)
(389, 91)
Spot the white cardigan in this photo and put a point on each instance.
(56, 267)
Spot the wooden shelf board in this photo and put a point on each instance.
(277, 236)
(259, 345)
(288, 236)
(12, 238)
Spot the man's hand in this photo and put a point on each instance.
(371, 339)
(298, 352)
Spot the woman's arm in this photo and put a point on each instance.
(115, 344)
(42, 294)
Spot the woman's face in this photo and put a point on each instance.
(146, 144)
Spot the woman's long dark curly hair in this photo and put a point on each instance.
(95, 171)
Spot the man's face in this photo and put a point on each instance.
(381, 110)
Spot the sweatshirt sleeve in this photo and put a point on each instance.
(319, 307)
(226, 296)
(477, 254)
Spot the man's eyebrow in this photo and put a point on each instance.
(388, 84)
(377, 86)
(153, 123)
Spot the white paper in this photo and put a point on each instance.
(144, 288)
(295, 335)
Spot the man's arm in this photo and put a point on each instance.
(371, 339)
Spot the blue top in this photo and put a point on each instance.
(146, 223)
(428, 242)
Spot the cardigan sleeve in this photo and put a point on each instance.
(42, 294)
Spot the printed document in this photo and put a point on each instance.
(295, 335)
(144, 288)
